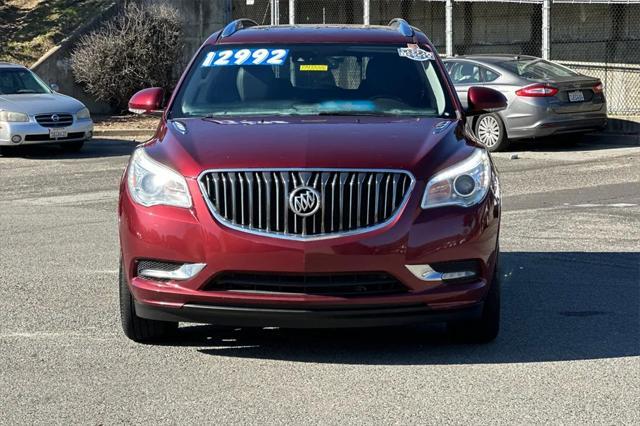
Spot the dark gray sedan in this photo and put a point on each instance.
(544, 98)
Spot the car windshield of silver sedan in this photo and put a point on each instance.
(18, 81)
(318, 79)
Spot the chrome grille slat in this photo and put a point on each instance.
(276, 184)
(343, 180)
(361, 179)
(395, 191)
(249, 178)
(234, 200)
(352, 201)
(267, 184)
(366, 222)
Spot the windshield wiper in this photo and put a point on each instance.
(358, 113)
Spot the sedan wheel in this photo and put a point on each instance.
(490, 131)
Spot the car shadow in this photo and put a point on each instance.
(575, 142)
(556, 307)
(95, 148)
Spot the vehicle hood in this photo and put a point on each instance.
(40, 103)
(418, 145)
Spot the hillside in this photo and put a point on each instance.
(29, 28)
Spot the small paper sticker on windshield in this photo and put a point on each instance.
(413, 52)
(237, 57)
(314, 67)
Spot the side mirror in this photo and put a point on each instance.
(482, 100)
(54, 87)
(147, 101)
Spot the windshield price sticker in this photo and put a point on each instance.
(413, 52)
(237, 57)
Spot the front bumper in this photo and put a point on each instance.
(369, 316)
(33, 133)
(415, 237)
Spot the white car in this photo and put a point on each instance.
(33, 113)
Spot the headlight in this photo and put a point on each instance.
(463, 184)
(83, 114)
(151, 183)
(13, 117)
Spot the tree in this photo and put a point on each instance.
(138, 48)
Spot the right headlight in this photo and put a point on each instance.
(13, 117)
(463, 184)
(83, 114)
(151, 183)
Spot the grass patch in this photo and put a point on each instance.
(30, 28)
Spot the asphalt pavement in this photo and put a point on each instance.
(568, 353)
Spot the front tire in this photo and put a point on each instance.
(489, 129)
(138, 329)
(486, 328)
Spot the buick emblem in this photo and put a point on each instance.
(55, 117)
(304, 201)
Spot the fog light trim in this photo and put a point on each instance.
(184, 272)
(16, 138)
(428, 274)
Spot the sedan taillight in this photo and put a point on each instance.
(537, 91)
(598, 87)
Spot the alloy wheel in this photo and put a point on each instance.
(488, 131)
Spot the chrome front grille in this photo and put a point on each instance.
(54, 120)
(261, 201)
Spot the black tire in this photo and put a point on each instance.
(140, 329)
(72, 146)
(486, 328)
(489, 129)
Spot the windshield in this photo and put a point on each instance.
(15, 81)
(537, 69)
(326, 79)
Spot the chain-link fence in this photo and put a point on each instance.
(429, 16)
(490, 27)
(600, 38)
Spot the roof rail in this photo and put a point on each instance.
(402, 27)
(237, 25)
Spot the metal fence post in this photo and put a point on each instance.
(275, 12)
(292, 12)
(546, 29)
(449, 28)
(366, 15)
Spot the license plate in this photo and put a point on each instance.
(576, 96)
(58, 133)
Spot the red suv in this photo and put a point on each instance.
(311, 176)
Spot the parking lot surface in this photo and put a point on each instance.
(569, 351)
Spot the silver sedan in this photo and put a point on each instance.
(33, 113)
(544, 98)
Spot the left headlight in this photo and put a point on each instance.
(83, 114)
(13, 117)
(151, 183)
(463, 184)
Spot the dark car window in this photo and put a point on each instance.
(537, 69)
(310, 80)
(488, 75)
(15, 81)
(465, 73)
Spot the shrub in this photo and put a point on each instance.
(136, 49)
